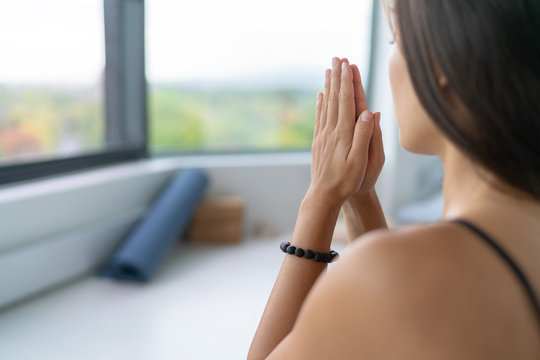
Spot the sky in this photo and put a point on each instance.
(277, 42)
(52, 41)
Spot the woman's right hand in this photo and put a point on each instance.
(342, 138)
(362, 210)
(376, 151)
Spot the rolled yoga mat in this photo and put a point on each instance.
(168, 217)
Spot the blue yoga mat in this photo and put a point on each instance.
(168, 217)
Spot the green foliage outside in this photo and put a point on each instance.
(37, 122)
(232, 120)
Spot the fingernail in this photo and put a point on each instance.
(328, 73)
(335, 61)
(343, 67)
(366, 116)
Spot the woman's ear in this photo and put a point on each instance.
(443, 82)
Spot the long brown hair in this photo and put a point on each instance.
(489, 52)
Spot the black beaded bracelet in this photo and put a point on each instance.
(328, 257)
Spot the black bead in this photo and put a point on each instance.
(325, 257)
(309, 254)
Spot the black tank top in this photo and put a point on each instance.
(507, 259)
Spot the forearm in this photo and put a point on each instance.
(363, 213)
(314, 227)
(343, 145)
(353, 221)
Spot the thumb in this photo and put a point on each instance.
(362, 135)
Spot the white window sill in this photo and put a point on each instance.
(61, 183)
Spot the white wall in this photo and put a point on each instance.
(56, 229)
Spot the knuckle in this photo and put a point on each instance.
(324, 106)
(344, 98)
(333, 96)
(327, 136)
(335, 137)
(322, 135)
(316, 143)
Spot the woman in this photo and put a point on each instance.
(465, 78)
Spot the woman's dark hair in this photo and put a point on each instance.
(489, 52)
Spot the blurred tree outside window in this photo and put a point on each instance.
(231, 76)
(242, 75)
(51, 79)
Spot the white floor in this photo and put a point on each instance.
(204, 303)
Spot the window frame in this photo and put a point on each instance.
(125, 99)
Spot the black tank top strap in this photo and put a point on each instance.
(507, 258)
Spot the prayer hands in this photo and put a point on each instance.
(347, 152)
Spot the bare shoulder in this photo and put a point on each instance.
(406, 288)
(411, 248)
(416, 263)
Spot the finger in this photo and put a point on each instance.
(347, 61)
(333, 96)
(375, 154)
(317, 115)
(324, 104)
(362, 136)
(376, 149)
(346, 116)
(360, 99)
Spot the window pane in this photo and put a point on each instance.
(51, 79)
(243, 74)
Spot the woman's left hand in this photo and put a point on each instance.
(340, 141)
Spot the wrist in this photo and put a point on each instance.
(315, 223)
(319, 207)
(368, 208)
(318, 200)
(369, 196)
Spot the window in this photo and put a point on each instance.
(230, 76)
(61, 108)
(52, 79)
(242, 75)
